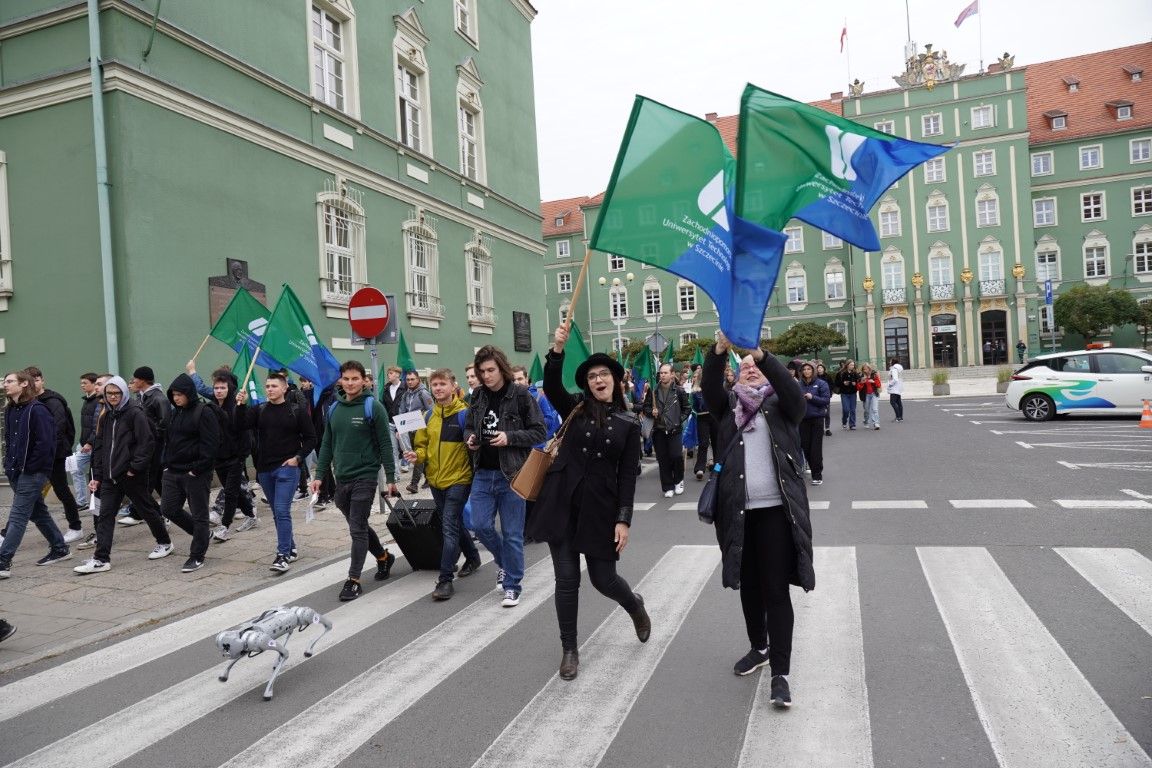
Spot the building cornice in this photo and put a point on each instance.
(43, 20)
(526, 9)
(1093, 183)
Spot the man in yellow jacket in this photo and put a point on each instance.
(440, 447)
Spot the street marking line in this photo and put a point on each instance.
(127, 731)
(991, 504)
(828, 670)
(1137, 494)
(1124, 576)
(1103, 503)
(995, 431)
(642, 505)
(680, 506)
(977, 422)
(891, 504)
(819, 504)
(572, 723)
(1013, 665)
(1022, 445)
(1067, 464)
(326, 733)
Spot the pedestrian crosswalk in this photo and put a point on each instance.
(903, 655)
(1101, 503)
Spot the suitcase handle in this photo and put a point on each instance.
(400, 512)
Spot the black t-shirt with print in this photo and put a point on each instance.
(489, 426)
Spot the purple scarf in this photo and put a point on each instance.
(748, 400)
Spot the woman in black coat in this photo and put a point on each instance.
(585, 504)
(761, 513)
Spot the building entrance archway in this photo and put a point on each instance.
(944, 346)
(896, 341)
(994, 337)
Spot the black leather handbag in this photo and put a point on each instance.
(706, 504)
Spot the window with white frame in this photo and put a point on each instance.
(410, 86)
(564, 282)
(563, 249)
(797, 287)
(983, 117)
(987, 210)
(885, 126)
(1140, 150)
(931, 125)
(618, 302)
(1044, 212)
(332, 54)
(422, 267)
(1042, 164)
(892, 272)
(687, 297)
(834, 289)
(795, 243)
(470, 122)
(940, 269)
(342, 259)
(1092, 206)
(615, 263)
(413, 117)
(1047, 264)
(1141, 201)
(840, 327)
(830, 242)
(465, 21)
(937, 214)
(478, 262)
(1047, 321)
(1091, 157)
(1095, 260)
(688, 337)
(991, 266)
(934, 171)
(984, 163)
(6, 287)
(652, 303)
(889, 219)
(1142, 254)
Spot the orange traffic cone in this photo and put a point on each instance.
(1146, 417)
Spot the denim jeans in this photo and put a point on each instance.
(871, 410)
(80, 478)
(354, 500)
(491, 493)
(178, 488)
(28, 505)
(848, 409)
(450, 504)
(279, 486)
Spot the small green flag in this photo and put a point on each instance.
(240, 370)
(669, 353)
(575, 352)
(536, 373)
(698, 358)
(404, 359)
(734, 359)
(643, 365)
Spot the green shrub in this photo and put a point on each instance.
(1003, 375)
(940, 376)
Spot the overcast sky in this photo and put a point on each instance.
(591, 57)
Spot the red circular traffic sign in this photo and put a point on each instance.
(368, 313)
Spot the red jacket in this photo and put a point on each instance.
(870, 385)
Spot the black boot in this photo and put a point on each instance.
(569, 665)
(640, 620)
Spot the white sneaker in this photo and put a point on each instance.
(214, 517)
(221, 533)
(160, 550)
(679, 488)
(248, 524)
(71, 535)
(669, 494)
(93, 566)
(128, 520)
(511, 599)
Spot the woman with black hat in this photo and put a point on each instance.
(585, 504)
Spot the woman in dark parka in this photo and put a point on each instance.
(761, 513)
(585, 504)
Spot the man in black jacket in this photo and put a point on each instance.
(667, 404)
(65, 437)
(89, 413)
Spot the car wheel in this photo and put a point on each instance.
(1037, 407)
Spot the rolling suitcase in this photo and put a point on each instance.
(416, 526)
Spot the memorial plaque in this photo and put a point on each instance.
(222, 288)
(521, 332)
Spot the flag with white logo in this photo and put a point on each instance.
(798, 161)
(241, 326)
(292, 339)
(669, 204)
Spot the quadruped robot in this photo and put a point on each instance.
(263, 633)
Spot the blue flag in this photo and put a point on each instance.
(291, 339)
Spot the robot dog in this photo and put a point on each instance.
(262, 634)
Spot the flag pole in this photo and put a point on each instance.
(251, 365)
(847, 50)
(201, 347)
(980, 36)
(579, 285)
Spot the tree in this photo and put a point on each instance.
(807, 338)
(1144, 320)
(1087, 310)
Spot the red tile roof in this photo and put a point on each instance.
(1102, 79)
(567, 209)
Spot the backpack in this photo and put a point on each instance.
(461, 417)
(225, 449)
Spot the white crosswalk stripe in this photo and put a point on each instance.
(1121, 575)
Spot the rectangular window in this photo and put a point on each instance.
(934, 170)
(408, 86)
(469, 143)
(564, 282)
(1047, 325)
(1047, 266)
(841, 328)
(652, 302)
(938, 218)
(1059, 122)
(1044, 212)
(931, 125)
(1042, 164)
(618, 299)
(797, 290)
(327, 59)
(834, 285)
(987, 212)
(885, 126)
(889, 223)
(339, 255)
(1091, 157)
(1092, 206)
(892, 275)
(984, 163)
(563, 249)
(830, 242)
(1142, 254)
(480, 309)
(1140, 150)
(615, 263)
(1141, 201)
(1095, 261)
(687, 298)
(795, 242)
(940, 270)
(464, 18)
(422, 253)
(1124, 112)
(982, 117)
(991, 266)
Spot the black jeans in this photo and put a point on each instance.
(897, 405)
(812, 442)
(178, 488)
(231, 473)
(602, 574)
(62, 487)
(112, 494)
(669, 448)
(706, 432)
(354, 500)
(765, 571)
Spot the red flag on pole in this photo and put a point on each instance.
(843, 36)
(972, 9)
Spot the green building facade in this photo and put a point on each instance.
(324, 144)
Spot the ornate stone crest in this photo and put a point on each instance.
(917, 279)
(856, 87)
(928, 69)
(869, 284)
(966, 275)
(1018, 271)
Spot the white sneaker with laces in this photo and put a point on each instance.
(679, 488)
(214, 517)
(93, 566)
(669, 494)
(511, 599)
(159, 551)
(73, 534)
(248, 524)
(221, 533)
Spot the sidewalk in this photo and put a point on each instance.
(959, 387)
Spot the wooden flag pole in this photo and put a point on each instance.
(251, 365)
(201, 347)
(576, 290)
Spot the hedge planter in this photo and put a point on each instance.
(1002, 387)
(940, 389)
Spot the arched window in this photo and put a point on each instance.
(422, 267)
(341, 224)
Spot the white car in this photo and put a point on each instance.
(1092, 381)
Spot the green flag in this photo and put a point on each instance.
(698, 358)
(734, 361)
(404, 359)
(240, 370)
(575, 352)
(669, 353)
(536, 373)
(242, 324)
(292, 340)
(643, 365)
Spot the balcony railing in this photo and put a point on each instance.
(895, 295)
(942, 292)
(991, 287)
(336, 290)
(479, 313)
(425, 304)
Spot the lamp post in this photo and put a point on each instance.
(616, 283)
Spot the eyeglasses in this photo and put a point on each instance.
(113, 393)
(599, 375)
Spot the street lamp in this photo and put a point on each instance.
(616, 283)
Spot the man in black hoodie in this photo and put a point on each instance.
(191, 442)
(234, 448)
(65, 437)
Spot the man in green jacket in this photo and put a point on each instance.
(353, 448)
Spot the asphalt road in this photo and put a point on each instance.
(981, 600)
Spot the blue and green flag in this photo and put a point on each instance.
(241, 326)
(799, 161)
(670, 204)
(290, 338)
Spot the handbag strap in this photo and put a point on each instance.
(553, 446)
(718, 465)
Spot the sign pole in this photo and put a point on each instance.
(375, 363)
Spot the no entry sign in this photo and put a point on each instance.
(368, 313)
